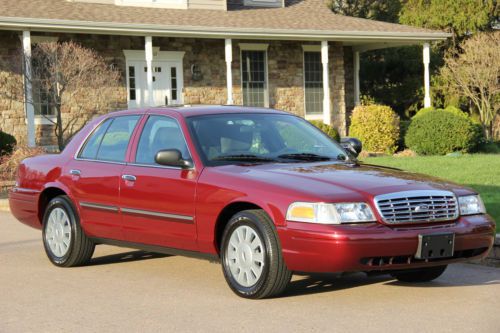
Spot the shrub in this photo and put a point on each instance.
(9, 163)
(441, 132)
(7, 143)
(451, 109)
(377, 126)
(328, 129)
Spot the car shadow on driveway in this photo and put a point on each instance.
(452, 279)
(324, 282)
(125, 257)
(461, 276)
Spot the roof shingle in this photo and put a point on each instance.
(310, 16)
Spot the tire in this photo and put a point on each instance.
(420, 275)
(65, 243)
(254, 268)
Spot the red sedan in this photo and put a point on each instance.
(264, 191)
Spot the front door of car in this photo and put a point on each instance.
(157, 202)
(95, 177)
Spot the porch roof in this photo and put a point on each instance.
(299, 20)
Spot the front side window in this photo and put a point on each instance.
(110, 141)
(160, 133)
(232, 138)
(313, 83)
(254, 78)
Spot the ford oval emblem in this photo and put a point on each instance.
(421, 208)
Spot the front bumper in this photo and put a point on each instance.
(370, 247)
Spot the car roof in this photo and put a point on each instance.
(196, 110)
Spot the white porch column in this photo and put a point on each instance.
(149, 64)
(326, 83)
(229, 73)
(28, 89)
(427, 58)
(356, 78)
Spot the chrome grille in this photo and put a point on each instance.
(417, 206)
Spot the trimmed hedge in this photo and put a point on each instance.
(328, 129)
(377, 126)
(7, 143)
(440, 132)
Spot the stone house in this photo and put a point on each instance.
(294, 55)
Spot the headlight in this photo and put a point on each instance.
(471, 204)
(330, 213)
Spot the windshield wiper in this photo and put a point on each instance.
(305, 157)
(243, 157)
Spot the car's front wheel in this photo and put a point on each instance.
(251, 255)
(64, 241)
(420, 275)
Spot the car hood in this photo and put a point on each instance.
(330, 179)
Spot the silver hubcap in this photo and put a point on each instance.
(58, 232)
(245, 254)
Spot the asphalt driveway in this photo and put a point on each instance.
(125, 290)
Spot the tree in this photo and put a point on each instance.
(72, 81)
(459, 17)
(473, 72)
(382, 10)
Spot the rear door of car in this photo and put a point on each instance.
(158, 202)
(95, 176)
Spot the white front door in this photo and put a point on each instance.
(167, 83)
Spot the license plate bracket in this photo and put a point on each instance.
(435, 246)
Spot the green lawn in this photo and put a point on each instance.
(479, 171)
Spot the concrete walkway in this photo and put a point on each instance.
(132, 291)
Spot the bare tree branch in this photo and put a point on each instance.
(76, 82)
(473, 72)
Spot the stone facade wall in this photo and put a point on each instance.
(208, 55)
(338, 87)
(12, 119)
(285, 75)
(349, 84)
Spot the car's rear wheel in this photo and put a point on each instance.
(64, 241)
(420, 275)
(252, 259)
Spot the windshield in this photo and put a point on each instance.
(233, 138)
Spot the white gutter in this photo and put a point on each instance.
(20, 23)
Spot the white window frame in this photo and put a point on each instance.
(177, 4)
(40, 119)
(309, 48)
(256, 47)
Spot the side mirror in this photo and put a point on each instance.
(352, 145)
(172, 157)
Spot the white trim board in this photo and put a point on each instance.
(140, 55)
(107, 28)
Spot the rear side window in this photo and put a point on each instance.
(93, 143)
(111, 143)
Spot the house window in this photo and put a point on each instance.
(131, 83)
(254, 78)
(42, 94)
(313, 83)
(41, 101)
(173, 78)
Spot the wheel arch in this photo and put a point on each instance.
(229, 211)
(49, 193)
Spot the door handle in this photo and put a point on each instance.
(75, 172)
(129, 178)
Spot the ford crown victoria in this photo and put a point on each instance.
(261, 190)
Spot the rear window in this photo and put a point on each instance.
(110, 141)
